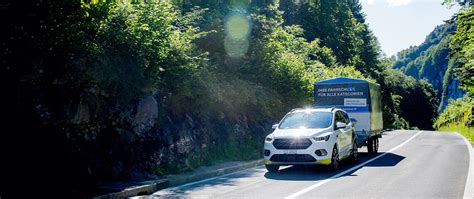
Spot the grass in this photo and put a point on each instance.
(214, 154)
(461, 129)
(225, 152)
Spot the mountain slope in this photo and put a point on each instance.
(430, 61)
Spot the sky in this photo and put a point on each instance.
(399, 24)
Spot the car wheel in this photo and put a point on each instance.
(334, 159)
(355, 152)
(272, 168)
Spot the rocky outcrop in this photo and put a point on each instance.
(146, 115)
(82, 113)
(452, 91)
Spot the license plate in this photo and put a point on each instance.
(290, 152)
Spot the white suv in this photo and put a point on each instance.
(311, 136)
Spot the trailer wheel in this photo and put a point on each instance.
(370, 149)
(376, 144)
(373, 145)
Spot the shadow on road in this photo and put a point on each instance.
(183, 191)
(312, 172)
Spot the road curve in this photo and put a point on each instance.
(410, 164)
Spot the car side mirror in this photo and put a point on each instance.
(274, 126)
(353, 120)
(340, 125)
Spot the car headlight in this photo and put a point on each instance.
(321, 138)
(269, 138)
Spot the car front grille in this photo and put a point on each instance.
(292, 158)
(293, 143)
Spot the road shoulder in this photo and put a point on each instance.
(200, 174)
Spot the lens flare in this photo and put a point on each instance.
(236, 48)
(237, 29)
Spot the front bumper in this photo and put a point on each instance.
(305, 156)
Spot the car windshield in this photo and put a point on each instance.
(310, 120)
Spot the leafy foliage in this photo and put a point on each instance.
(413, 100)
(458, 112)
(458, 117)
(452, 2)
(341, 27)
(463, 48)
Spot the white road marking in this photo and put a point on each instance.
(299, 193)
(469, 188)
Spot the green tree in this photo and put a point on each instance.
(462, 46)
(405, 92)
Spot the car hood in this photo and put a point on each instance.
(285, 133)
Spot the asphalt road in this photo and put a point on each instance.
(410, 164)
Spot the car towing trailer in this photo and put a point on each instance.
(361, 99)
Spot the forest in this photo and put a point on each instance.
(133, 90)
(458, 115)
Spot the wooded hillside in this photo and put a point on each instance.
(132, 90)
